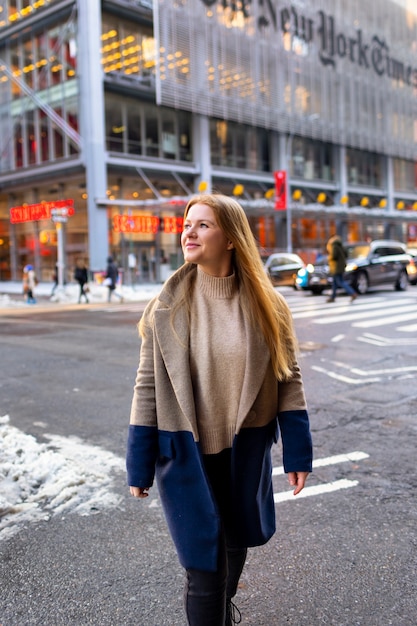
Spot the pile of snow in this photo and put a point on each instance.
(11, 295)
(38, 480)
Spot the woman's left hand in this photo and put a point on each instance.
(297, 480)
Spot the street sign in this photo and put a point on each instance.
(280, 190)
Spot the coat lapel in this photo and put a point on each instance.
(175, 353)
(257, 360)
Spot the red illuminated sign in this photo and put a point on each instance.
(280, 190)
(40, 211)
(146, 224)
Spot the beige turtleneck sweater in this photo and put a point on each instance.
(217, 359)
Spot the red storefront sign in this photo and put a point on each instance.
(280, 178)
(39, 211)
(146, 224)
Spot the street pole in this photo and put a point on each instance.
(60, 217)
(288, 151)
(60, 250)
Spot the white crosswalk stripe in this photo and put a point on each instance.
(365, 312)
(321, 487)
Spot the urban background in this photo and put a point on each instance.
(112, 113)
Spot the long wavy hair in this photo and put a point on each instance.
(266, 309)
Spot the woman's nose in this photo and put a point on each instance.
(191, 232)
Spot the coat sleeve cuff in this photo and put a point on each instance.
(296, 441)
(142, 452)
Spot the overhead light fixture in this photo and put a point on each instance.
(238, 190)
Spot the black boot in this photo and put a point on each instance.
(233, 615)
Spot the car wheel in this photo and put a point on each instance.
(401, 283)
(316, 291)
(361, 283)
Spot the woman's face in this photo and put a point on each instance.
(204, 243)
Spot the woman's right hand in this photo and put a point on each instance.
(139, 492)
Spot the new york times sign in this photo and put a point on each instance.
(334, 44)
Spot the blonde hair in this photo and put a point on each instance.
(266, 309)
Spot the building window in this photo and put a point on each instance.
(127, 48)
(405, 175)
(17, 10)
(136, 128)
(311, 160)
(239, 146)
(363, 168)
(45, 62)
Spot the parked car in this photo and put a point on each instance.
(412, 267)
(314, 278)
(372, 264)
(282, 268)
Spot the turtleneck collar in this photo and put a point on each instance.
(215, 286)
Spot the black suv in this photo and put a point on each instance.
(372, 264)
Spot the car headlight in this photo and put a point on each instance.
(351, 267)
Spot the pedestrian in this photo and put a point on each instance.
(81, 276)
(29, 283)
(217, 379)
(337, 262)
(55, 275)
(111, 278)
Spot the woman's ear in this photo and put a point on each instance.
(230, 245)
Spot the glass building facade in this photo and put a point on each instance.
(123, 109)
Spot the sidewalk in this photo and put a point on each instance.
(11, 295)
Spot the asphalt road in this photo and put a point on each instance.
(344, 557)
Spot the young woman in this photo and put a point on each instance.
(217, 379)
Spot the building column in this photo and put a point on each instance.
(390, 188)
(340, 158)
(390, 230)
(201, 150)
(92, 125)
(279, 162)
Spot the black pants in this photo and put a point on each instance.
(82, 293)
(205, 593)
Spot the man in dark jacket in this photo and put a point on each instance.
(337, 264)
(81, 276)
(111, 278)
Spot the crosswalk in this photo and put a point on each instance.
(367, 312)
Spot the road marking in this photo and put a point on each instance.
(315, 490)
(411, 328)
(377, 340)
(372, 375)
(344, 379)
(386, 313)
(330, 460)
(339, 310)
(337, 338)
(389, 320)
